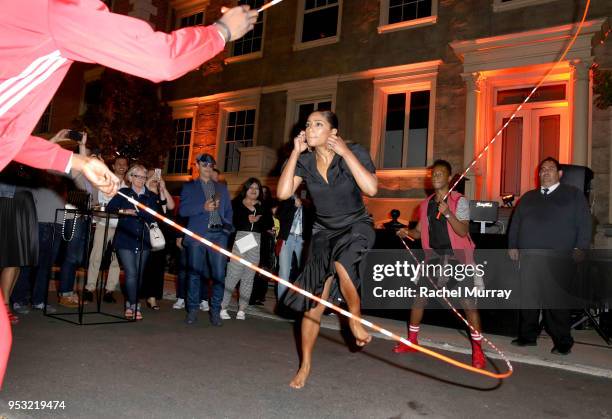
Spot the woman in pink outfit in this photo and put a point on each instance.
(40, 39)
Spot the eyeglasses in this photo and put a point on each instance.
(204, 164)
(139, 177)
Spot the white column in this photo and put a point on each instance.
(474, 82)
(580, 117)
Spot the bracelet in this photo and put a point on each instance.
(223, 29)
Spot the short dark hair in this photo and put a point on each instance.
(444, 164)
(246, 185)
(121, 157)
(550, 159)
(329, 116)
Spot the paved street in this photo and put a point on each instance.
(161, 368)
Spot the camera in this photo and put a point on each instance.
(75, 135)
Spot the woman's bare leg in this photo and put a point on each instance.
(311, 323)
(349, 292)
(8, 277)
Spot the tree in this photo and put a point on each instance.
(602, 87)
(129, 119)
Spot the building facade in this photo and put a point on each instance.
(411, 80)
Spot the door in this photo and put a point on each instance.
(531, 136)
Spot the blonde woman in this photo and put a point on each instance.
(132, 235)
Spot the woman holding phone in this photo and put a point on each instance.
(250, 222)
(336, 174)
(153, 286)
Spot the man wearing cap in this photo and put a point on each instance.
(207, 206)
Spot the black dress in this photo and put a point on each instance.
(18, 221)
(343, 230)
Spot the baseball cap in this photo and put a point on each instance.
(205, 158)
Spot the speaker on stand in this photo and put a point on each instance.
(577, 176)
(581, 177)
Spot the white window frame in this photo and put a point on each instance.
(499, 6)
(225, 108)
(385, 27)
(317, 90)
(299, 45)
(182, 113)
(421, 77)
(253, 55)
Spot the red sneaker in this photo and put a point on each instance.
(401, 348)
(478, 358)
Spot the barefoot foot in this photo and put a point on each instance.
(300, 378)
(362, 337)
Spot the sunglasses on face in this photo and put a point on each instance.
(211, 165)
(139, 177)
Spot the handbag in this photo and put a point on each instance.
(156, 237)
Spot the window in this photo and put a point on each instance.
(178, 157)
(403, 10)
(44, 123)
(239, 132)
(191, 20)
(402, 14)
(543, 94)
(252, 41)
(318, 23)
(403, 117)
(406, 130)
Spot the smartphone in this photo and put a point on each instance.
(75, 135)
(158, 174)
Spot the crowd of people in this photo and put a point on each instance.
(64, 237)
(313, 234)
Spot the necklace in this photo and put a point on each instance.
(64, 227)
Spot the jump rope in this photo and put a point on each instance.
(349, 315)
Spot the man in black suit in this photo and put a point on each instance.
(550, 228)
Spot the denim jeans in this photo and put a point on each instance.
(202, 261)
(75, 251)
(133, 263)
(181, 278)
(293, 245)
(36, 278)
